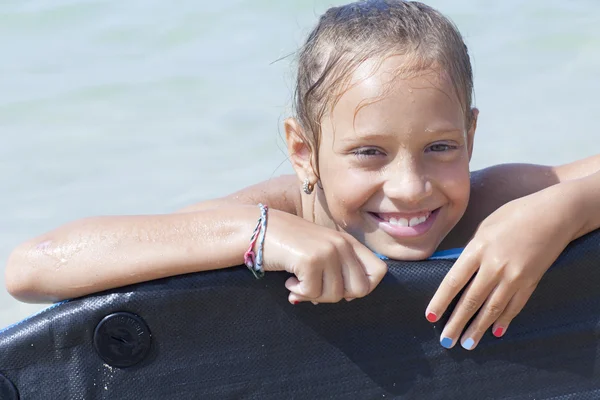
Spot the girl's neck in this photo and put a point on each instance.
(314, 209)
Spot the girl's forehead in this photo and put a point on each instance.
(377, 77)
(387, 94)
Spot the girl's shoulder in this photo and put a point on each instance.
(281, 193)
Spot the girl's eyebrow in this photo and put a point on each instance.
(444, 130)
(379, 135)
(368, 136)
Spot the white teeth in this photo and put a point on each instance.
(405, 222)
(414, 221)
(398, 221)
(417, 221)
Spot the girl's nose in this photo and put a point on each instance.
(406, 183)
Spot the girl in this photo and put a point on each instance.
(381, 145)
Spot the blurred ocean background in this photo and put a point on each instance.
(145, 106)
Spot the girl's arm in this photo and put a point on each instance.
(495, 186)
(94, 254)
(121, 250)
(586, 202)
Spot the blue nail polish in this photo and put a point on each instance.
(468, 344)
(446, 342)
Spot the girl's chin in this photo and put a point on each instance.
(409, 255)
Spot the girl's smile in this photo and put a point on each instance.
(402, 225)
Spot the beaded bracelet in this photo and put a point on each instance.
(252, 261)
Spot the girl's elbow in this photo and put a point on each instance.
(20, 280)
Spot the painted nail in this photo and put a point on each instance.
(446, 342)
(499, 331)
(468, 344)
(294, 302)
(431, 317)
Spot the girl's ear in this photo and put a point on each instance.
(300, 151)
(471, 131)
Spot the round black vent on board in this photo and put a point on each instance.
(122, 339)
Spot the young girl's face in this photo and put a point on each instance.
(394, 159)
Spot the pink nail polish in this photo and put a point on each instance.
(499, 331)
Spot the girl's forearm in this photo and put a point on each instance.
(577, 169)
(495, 186)
(585, 193)
(100, 253)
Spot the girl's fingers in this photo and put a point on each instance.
(489, 313)
(333, 285)
(308, 281)
(353, 273)
(513, 308)
(474, 296)
(369, 272)
(292, 284)
(454, 281)
(317, 284)
(356, 282)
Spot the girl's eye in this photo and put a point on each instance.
(441, 147)
(367, 152)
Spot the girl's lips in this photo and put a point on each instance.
(396, 226)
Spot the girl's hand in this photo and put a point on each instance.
(509, 254)
(328, 265)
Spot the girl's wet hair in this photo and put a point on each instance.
(348, 35)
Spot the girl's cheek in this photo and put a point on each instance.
(454, 181)
(348, 191)
(455, 173)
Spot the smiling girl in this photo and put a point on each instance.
(381, 143)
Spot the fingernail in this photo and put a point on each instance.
(446, 342)
(468, 344)
(315, 303)
(499, 331)
(294, 302)
(431, 317)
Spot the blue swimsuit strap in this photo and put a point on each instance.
(450, 254)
